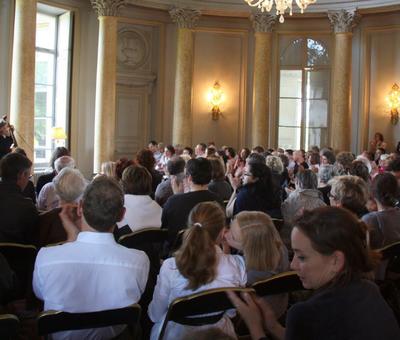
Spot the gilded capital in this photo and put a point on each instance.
(107, 7)
(343, 21)
(184, 17)
(263, 22)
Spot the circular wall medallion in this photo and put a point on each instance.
(132, 49)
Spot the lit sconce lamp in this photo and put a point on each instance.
(393, 99)
(58, 134)
(216, 97)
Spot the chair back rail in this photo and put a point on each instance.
(9, 325)
(56, 321)
(285, 282)
(206, 307)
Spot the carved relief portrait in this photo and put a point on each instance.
(132, 49)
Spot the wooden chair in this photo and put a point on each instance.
(391, 255)
(142, 237)
(21, 259)
(9, 325)
(195, 309)
(285, 282)
(56, 321)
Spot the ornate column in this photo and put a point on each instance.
(182, 124)
(263, 24)
(22, 106)
(104, 133)
(342, 22)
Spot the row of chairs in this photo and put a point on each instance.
(191, 310)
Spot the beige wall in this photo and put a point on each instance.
(223, 52)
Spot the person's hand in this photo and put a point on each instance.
(250, 313)
(270, 321)
(70, 221)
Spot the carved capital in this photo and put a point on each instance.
(263, 22)
(185, 17)
(343, 21)
(107, 7)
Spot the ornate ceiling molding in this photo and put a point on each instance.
(343, 21)
(185, 17)
(107, 7)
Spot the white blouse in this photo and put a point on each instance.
(231, 272)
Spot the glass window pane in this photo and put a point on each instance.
(317, 113)
(289, 138)
(290, 83)
(318, 84)
(45, 31)
(43, 101)
(291, 51)
(317, 53)
(44, 70)
(316, 136)
(290, 112)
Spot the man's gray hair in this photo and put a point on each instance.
(307, 179)
(326, 173)
(64, 162)
(69, 185)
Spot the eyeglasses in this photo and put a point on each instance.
(332, 196)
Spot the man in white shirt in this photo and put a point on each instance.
(92, 272)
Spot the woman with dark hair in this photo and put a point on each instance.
(331, 256)
(146, 158)
(377, 142)
(198, 265)
(384, 223)
(120, 165)
(47, 178)
(218, 184)
(258, 192)
(327, 156)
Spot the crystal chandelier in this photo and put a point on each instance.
(281, 6)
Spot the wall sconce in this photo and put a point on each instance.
(393, 99)
(216, 97)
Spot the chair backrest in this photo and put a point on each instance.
(285, 282)
(390, 261)
(9, 325)
(203, 308)
(390, 251)
(21, 259)
(138, 238)
(56, 321)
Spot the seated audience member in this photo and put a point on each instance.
(48, 199)
(358, 168)
(169, 152)
(177, 208)
(109, 169)
(331, 257)
(6, 140)
(305, 196)
(258, 149)
(30, 188)
(327, 156)
(313, 160)
(121, 164)
(255, 235)
(384, 223)
(300, 162)
(153, 147)
(258, 192)
(92, 272)
(211, 151)
(240, 163)
(145, 158)
(19, 216)
(218, 184)
(231, 158)
(69, 185)
(141, 210)
(188, 152)
(377, 142)
(175, 167)
(343, 162)
(200, 150)
(394, 168)
(47, 178)
(349, 192)
(277, 172)
(198, 265)
(325, 174)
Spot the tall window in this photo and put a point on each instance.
(304, 80)
(52, 76)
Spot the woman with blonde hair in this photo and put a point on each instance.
(265, 255)
(109, 169)
(198, 265)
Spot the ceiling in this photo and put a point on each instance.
(240, 8)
